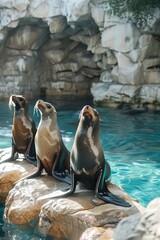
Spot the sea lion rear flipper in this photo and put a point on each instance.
(62, 193)
(104, 194)
(111, 198)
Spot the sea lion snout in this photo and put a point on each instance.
(89, 112)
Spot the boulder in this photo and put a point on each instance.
(97, 233)
(150, 93)
(115, 92)
(60, 218)
(120, 37)
(145, 226)
(129, 72)
(63, 217)
(11, 172)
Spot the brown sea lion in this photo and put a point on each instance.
(52, 155)
(87, 162)
(23, 130)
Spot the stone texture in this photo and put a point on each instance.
(113, 92)
(97, 233)
(60, 217)
(122, 37)
(141, 227)
(11, 172)
(43, 43)
(69, 218)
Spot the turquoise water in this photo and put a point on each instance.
(131, 144)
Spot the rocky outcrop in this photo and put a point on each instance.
(62, 218)
(10, 173)
(141, 227)
(75, 49)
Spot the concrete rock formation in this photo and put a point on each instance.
(74, 48)
(74, 217)
(141, 227)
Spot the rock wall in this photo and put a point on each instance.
(73, 48)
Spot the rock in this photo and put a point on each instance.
(45, 8)
(11, 172)
(97, 233)
(122, 37)
(69, 218)
(129, 72)
(76, 11)
(43, 40)
(114, 92)
(22, 206)
(28, 38)
(81, 210)
(145, 226)
(151, 92)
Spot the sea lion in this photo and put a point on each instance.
(23, 130)
(52, 155)
(87, 162)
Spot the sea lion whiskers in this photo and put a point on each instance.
(11, 103)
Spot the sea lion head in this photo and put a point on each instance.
(89, 117)
(46, 109)
(18, 102)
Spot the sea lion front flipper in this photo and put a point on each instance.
(104, 194)
(30, 159)
(57, 170)
(62, 193)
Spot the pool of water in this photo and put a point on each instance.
(131, 145)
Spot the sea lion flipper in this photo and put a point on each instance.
(57, 169)
(63, 177)
(111, 198)
(104, 194)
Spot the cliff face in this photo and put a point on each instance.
(73, 48)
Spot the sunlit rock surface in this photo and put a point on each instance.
(63, 48)
(60, 217)
(145, 226)
(11, 172)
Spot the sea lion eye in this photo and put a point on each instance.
(21, 99)
(48, 106)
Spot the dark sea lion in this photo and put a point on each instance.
(127, 109)
(23, 130)
(87, 162)
(52, 155)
